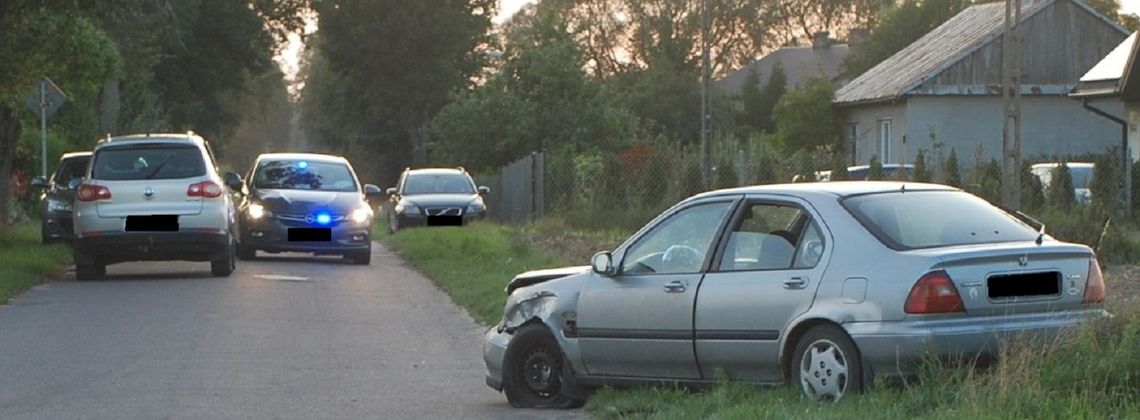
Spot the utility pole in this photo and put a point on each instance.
(1011, 106)
(706, 97)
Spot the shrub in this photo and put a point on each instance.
(1060, 193)
(921, 172)
(950, 173)
(875, 172)
(1032, 196)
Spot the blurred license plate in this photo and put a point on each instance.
(445, 221)
(310, 234)
(153, 223)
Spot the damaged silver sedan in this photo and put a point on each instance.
(823, 285)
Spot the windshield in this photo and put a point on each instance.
(70, 168)
(148, 162)
(304, 175)
(438, 184)
(927, 219)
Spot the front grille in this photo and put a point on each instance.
(300, 217)
(444, 211)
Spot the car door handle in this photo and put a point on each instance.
(796, 283)
(675, 286)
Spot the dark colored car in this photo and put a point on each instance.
(435, 197)
(57, 200)
(301, 202)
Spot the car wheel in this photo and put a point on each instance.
(246, 253)
(827, 364)
(89, 271)
(224, 266)
(361, 258)
(533, 371)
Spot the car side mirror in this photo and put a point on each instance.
(484, 190)
(39, 182)
(372, 191)
(73, 184)
(603, 263)
(233, 181)
(391, 191)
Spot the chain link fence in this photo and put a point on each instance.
(625, 189)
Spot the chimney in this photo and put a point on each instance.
(821, 39)
(856, 37)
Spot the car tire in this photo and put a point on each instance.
(246, 253)
(224, 266)
(534, 371)
(826, 364)
(361, 258)
(89, 271)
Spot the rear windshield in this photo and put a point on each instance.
(927, 219)
(455, 183)
(156, 161)
(304, 175)
(70, 168)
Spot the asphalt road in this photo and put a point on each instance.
(283, 337)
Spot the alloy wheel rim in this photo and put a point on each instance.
(823, 371)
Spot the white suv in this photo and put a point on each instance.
(154, 197)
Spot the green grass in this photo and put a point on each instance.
(472, 263)
(24, 262)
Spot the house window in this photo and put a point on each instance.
(885, 141)
(851, 132)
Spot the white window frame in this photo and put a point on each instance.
(885, 140)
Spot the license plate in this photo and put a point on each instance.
(445, 221)
(310, 234)
(153, 223)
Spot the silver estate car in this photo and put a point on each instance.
(153, 197)
(821, 285)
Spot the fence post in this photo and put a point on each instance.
(538, 178)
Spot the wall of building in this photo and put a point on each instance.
(1051, 126)
(1133, 109)
(861, 130)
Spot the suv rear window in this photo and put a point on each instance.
(152, 161)
(928, 219)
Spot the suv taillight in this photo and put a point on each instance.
(1095, 290)
(92, 192)
(208, 189)
(934, 293)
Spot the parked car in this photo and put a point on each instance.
(891, 171)
(787, 284)
(435, 197)
(304, 202)
(58, 196)
(1080, 172)
(153, 197)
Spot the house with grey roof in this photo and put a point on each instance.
(1112, 82)
(800, 64)
(944, 90)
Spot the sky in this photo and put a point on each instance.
(509, 7)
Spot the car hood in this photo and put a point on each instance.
(302, 201)
(440, 200)
(539, 276)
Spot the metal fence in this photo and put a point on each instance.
(624, 189)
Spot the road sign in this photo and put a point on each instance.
(44, 102)
(47, 98)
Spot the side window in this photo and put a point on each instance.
(767, 236)
(678, 244)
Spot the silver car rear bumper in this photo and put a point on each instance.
(899, 348)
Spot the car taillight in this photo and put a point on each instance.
(207, 189)
(934, 293)
(1095, 290)
(92, 192)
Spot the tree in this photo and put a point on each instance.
(795, 21)
(951, 172)
(39, 39)
(921, 172)
(399, 61)
(1032, 196)
(839, 168)
(875, 170)
(805, 119)
(898, 27)
(1111, 10)
(1060, 192)
(760, 100)
(1106, 180)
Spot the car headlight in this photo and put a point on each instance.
(407, 208)
(361, 215)
(476, 206)
(256, 211)
(56, 205)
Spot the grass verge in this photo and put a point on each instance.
(472, 263)
(24, 262)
